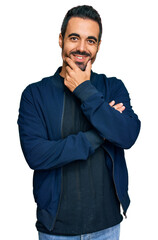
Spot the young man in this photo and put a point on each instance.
(73, 129)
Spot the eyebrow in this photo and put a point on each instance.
(74, 34)
(94, 38)
(77, 35)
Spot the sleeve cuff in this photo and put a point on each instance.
(94, 139)
(85, 90)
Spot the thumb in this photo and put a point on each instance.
(89, 66)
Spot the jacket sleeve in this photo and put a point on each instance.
(121, 129)
(42, 153)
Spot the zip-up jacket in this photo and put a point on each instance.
(46, 151)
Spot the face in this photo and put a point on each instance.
(80, 42)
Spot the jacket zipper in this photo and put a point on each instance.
(114, 182)
(62, 119)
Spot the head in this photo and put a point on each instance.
(85, 12)
(80, 35)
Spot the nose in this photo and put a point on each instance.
(81, 46)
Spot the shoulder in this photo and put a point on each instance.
(101, 80)
(37, 89)
(44, 82)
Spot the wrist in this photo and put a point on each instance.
(84, 90)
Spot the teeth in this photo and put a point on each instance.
(79, 57)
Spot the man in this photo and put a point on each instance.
(73, 129)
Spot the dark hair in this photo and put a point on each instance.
(82, 12)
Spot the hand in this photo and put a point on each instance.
(75, 76)
(119, 107)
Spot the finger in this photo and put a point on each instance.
(68, 77)
(68, 70)
(65, 81)
(112, 103)
(70, 63)
(89, 66)
(121, 109)
(118, 105)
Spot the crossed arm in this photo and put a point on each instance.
(75, 76)
(120, 129)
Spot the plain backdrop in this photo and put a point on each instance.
(29, 51)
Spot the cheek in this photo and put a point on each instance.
(94, 53)
(67, 47)
(64, 51)
(93, 59)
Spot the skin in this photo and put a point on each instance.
(79, 50)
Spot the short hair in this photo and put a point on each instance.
(84, 12)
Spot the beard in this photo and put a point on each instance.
(81, 65)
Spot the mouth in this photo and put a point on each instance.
(80, 58)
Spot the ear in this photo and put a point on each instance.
(60, 40)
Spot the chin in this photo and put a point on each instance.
(82, 66)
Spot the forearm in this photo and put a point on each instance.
(43, 154)
(118, 128)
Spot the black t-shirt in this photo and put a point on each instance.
(88, 201)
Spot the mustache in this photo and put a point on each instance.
(81, 53)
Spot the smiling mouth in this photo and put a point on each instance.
(80, 58)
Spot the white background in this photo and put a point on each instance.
(29, 51)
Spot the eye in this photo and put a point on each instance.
(90, 41)
(74, 39)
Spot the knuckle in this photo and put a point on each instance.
(68, 78)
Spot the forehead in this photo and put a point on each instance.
(83, 27)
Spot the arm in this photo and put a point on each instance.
(42, 153)
(119, 128)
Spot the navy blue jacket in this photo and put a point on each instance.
(46, 151)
